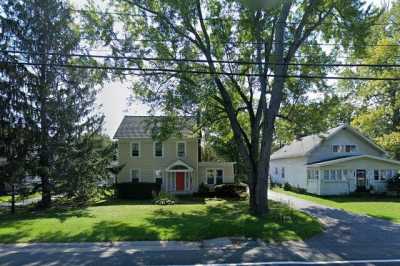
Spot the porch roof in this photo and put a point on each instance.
(179, 166)
(351, 158)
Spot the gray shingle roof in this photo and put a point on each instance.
(301, 147)
(139, 127)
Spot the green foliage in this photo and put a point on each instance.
(379, 112)
(49, 111)
(393, 184)
(226, 30)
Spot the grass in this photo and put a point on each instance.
(7, 198)
(387, 208)
(127, 221)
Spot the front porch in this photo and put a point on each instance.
(179, 179)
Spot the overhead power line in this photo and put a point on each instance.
(206, 18)
(163, 71)
(247, 42)
(180, 60)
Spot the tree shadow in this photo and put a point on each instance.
(232, 219)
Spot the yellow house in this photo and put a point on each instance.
(175, 163)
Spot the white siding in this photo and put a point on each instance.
(349, 185)
(324, 151)
(295, 171)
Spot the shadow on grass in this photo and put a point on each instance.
(211, 220)
(232, 219)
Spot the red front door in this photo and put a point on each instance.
(180, 181)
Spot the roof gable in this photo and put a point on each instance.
(308, 144)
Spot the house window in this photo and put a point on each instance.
(158, 149)
(316, 174)
(345, 173)
(220, 176)
(344, 148)
(135, 175)
(333, 174)
(339, 174)
(276, 171)
(210, 176)
(135, 149)
(181, 149)
(376, 174)
(283, 172)
(158, 177)
(309, 174)
(335, 148)
(351, 148)
(326, 174)
(388, 174)
(382, 174)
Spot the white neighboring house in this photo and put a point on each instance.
(339, 161)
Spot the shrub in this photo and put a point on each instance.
(137, 191)
(234, 191)
(165, 199)
(203, 189)
(393, 184)
(299, 190)
(287, 187)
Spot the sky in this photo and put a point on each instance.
(113, 99)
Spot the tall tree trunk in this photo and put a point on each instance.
(13, 198)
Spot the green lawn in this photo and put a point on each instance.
(387, 208)
(7, 198)
(124, 221)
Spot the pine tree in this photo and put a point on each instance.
(58, 102)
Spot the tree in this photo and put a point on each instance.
(84, 166)
(206, 34)
(379, 101)
(57, 103)
(312, 117)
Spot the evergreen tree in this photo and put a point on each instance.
(55, 103)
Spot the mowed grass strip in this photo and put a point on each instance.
(126, 221)
(381, 207)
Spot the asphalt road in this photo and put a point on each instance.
(349, 239)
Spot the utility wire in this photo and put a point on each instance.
(162, 71)
(247, 42)
(206, 19)
(183, 60)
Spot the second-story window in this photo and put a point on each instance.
(181, 149)
(135, 149)
(158, 149)
(344, 148)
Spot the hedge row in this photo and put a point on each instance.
(137, 191)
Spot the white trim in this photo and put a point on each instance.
(139, 173)
(332, 162)
(354, 131)
(178, 142)
(140, 149)
(215, 175)
(179, 162)
(162, 150)
(215, 164)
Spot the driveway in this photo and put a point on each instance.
(22, 202)
(349, 239)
